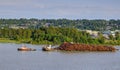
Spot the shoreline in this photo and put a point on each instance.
(19, 42)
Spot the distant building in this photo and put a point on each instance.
(47, 25)
(94, 34)
(106, 34)
(18, 26)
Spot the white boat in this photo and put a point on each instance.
(47, 48)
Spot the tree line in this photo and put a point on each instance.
(53, 35)
(83, 24)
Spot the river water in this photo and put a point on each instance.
(11, 59)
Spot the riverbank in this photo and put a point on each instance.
(5, 40)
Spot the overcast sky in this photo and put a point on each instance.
(54, 9)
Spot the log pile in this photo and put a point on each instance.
(84, 47)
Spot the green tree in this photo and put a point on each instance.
(117, 36)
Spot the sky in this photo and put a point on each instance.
(58, 9)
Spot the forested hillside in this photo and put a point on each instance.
(82, 24)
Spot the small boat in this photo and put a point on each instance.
(24, 48)
(47, 48)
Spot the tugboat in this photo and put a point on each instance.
(24, 48)
(47, 48)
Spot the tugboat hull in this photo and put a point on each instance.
(47, 49)
(27, 49)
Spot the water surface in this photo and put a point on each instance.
(11, 59)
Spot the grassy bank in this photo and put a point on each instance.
(3, 40)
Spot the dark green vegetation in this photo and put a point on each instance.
(99, 25)
(54, 35)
